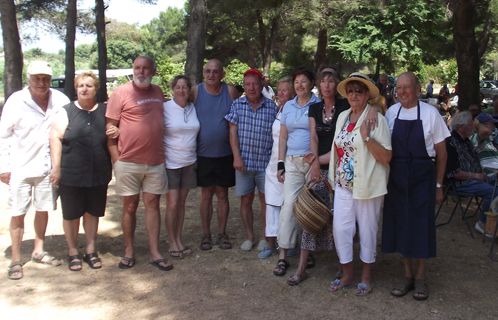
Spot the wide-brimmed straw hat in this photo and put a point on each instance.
(361, 77)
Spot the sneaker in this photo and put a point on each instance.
(262, 245)
(247, 245)
(293, 251)
(266, 253)
(478, 228)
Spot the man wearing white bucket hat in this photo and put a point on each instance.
(25, 160)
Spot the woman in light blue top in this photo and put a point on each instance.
(294, 143)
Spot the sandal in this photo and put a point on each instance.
(89, 258)
(421, 290)
(130, 263)
(223, 242)
(310, 263)
(295, 280)
(206, 243)
(176, 254)
(12, 271)
(50, 261)
(363, 290)
(156, 264)
(74, 261)
(338, 275)
(186, 251)
(402, 287)
(281, 268)
(337, 285)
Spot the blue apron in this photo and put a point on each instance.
(408, 220)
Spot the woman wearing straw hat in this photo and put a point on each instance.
(359, 168)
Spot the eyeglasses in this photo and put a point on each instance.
(354, 91)
(323, 128)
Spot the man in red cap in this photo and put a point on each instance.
(250, 120)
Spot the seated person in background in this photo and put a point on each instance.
(464, 167)
(481, 142)
(474, 110)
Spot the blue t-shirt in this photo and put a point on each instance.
(213, 140)
(295, 118)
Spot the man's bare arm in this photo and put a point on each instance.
(112, 144)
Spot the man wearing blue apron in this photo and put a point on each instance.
(414, 187)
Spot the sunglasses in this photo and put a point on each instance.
(354, 91)
(323, 128)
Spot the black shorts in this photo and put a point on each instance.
(76, 201)
(215, 171)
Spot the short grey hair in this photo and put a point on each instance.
(462, 118)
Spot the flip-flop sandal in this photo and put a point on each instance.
(206, 243)
(421, 290)
(88, 259)
(72, 263)
(156, 264)
(363, 290)
(130, 261)
(295, 280)
(12, 271)
(48, 262)
(223, 242)
(337, 285)
(281, 268)
(338, 275)
(310, 263)
(176, 254)
(186, 251)
(402, 287)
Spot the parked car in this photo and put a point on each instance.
(58, 84)
(488, 89)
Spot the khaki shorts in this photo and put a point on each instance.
(182, 178)
(132, 177)
(38, 190)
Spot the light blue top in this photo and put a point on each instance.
(295, 118)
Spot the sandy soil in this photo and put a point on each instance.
(233, 284)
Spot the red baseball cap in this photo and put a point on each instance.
(254, 71)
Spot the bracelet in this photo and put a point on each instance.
(281, 161)
(280, 166)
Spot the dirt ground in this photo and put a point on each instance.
(231, 284)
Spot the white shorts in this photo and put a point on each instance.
(21, 195)
(272, 216)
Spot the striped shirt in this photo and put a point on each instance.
(254, 131)
(486, 151)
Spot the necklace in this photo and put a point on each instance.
(329, 119)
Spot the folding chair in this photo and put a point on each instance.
(458, 195)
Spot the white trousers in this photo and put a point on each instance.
(296, 170)
(272, 215)
(347, 211)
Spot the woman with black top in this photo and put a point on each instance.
(81, 167)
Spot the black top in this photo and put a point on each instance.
(326, 137)
(461, 157)
(85, 159)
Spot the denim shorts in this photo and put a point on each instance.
(247, 181)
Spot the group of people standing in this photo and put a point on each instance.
(209, 137)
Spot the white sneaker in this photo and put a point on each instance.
(478, 228)
(262, 245)
(247, 245)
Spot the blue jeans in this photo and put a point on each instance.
(483, 190)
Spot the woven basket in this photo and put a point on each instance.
(310, 210)
(490, 223)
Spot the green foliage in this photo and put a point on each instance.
(167, 70)
(167, 34)
(235, 72)
(446, 71)
(120, 54)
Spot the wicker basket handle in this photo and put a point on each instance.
(329, 187)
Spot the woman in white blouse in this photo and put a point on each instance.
(180, 142)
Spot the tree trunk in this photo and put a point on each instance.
(196, 40)
(377, 67)
(321, 49)
(12, 48)
(70, 38)
(267, 46)
(102, 49)
(466, 52)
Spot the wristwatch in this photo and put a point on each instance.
(366, 140)
(438, 185)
